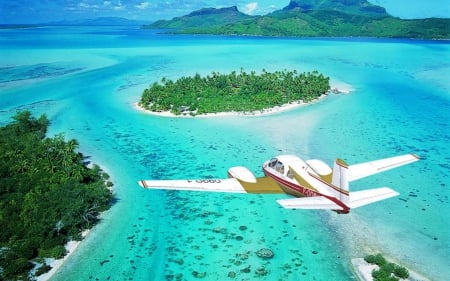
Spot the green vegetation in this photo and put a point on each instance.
(310, 18)
(202, 18)
(387, 271)
(47, 195)
(327, 23)
(241, 92)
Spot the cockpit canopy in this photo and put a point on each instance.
(282, 163)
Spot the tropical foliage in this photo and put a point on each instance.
(47, 195)
(241, 92)
(387, 271)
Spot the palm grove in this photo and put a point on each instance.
(47, 195)
(239, 92)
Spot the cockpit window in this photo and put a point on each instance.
(279, 167)
(273, 163)
(290, 174)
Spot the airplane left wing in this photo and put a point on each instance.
(257, 185)
(317, 202)
(214, 185)
(366, 169)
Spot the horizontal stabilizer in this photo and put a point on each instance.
(364, 197)
(366, 169)
(213, 185)
(318, 202)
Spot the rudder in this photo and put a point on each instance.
(340, 178)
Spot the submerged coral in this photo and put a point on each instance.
(262, 271)
(265, 253)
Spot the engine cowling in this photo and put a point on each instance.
(241, 173)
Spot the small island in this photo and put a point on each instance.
(235, 92)
(378, 268)
(48, 196)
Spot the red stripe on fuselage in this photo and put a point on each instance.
(302, 190)
(293, 186)
(340, 190)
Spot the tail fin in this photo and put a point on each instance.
(340, 179)
(359, 198)
(340, 174)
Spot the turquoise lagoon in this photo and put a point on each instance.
(86, 79)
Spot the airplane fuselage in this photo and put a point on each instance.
(288, 180)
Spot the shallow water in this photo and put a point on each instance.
(87, 79)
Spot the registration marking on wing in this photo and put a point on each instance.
(213, 185)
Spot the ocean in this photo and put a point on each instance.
(87, 79)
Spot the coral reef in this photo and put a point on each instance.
(265, 253)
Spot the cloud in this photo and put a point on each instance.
(143, 5)
(88, 6)
(119, 6)
(250, 7)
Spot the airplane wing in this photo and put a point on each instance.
(212, 185)
(233, 185)
(366, 169)
(364, 197)
(317, 202)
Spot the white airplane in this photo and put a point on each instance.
(312, 182)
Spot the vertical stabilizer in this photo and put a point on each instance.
(340, 179)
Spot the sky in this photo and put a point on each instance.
(42, 11)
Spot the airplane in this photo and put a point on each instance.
(313, 183)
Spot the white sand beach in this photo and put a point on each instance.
(274, 110)
(71, 246)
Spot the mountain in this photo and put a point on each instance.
(102, 21)
(356, 7)
(310, 18)
(207, 17)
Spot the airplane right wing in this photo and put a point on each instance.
(317, 202)
(366, 169)
(364, 197)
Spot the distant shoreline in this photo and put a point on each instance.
(336, 89)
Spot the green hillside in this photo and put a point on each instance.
(356, 7)
(203, 18)
(327, 23)
(310, 18)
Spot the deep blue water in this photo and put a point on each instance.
(86, 79)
